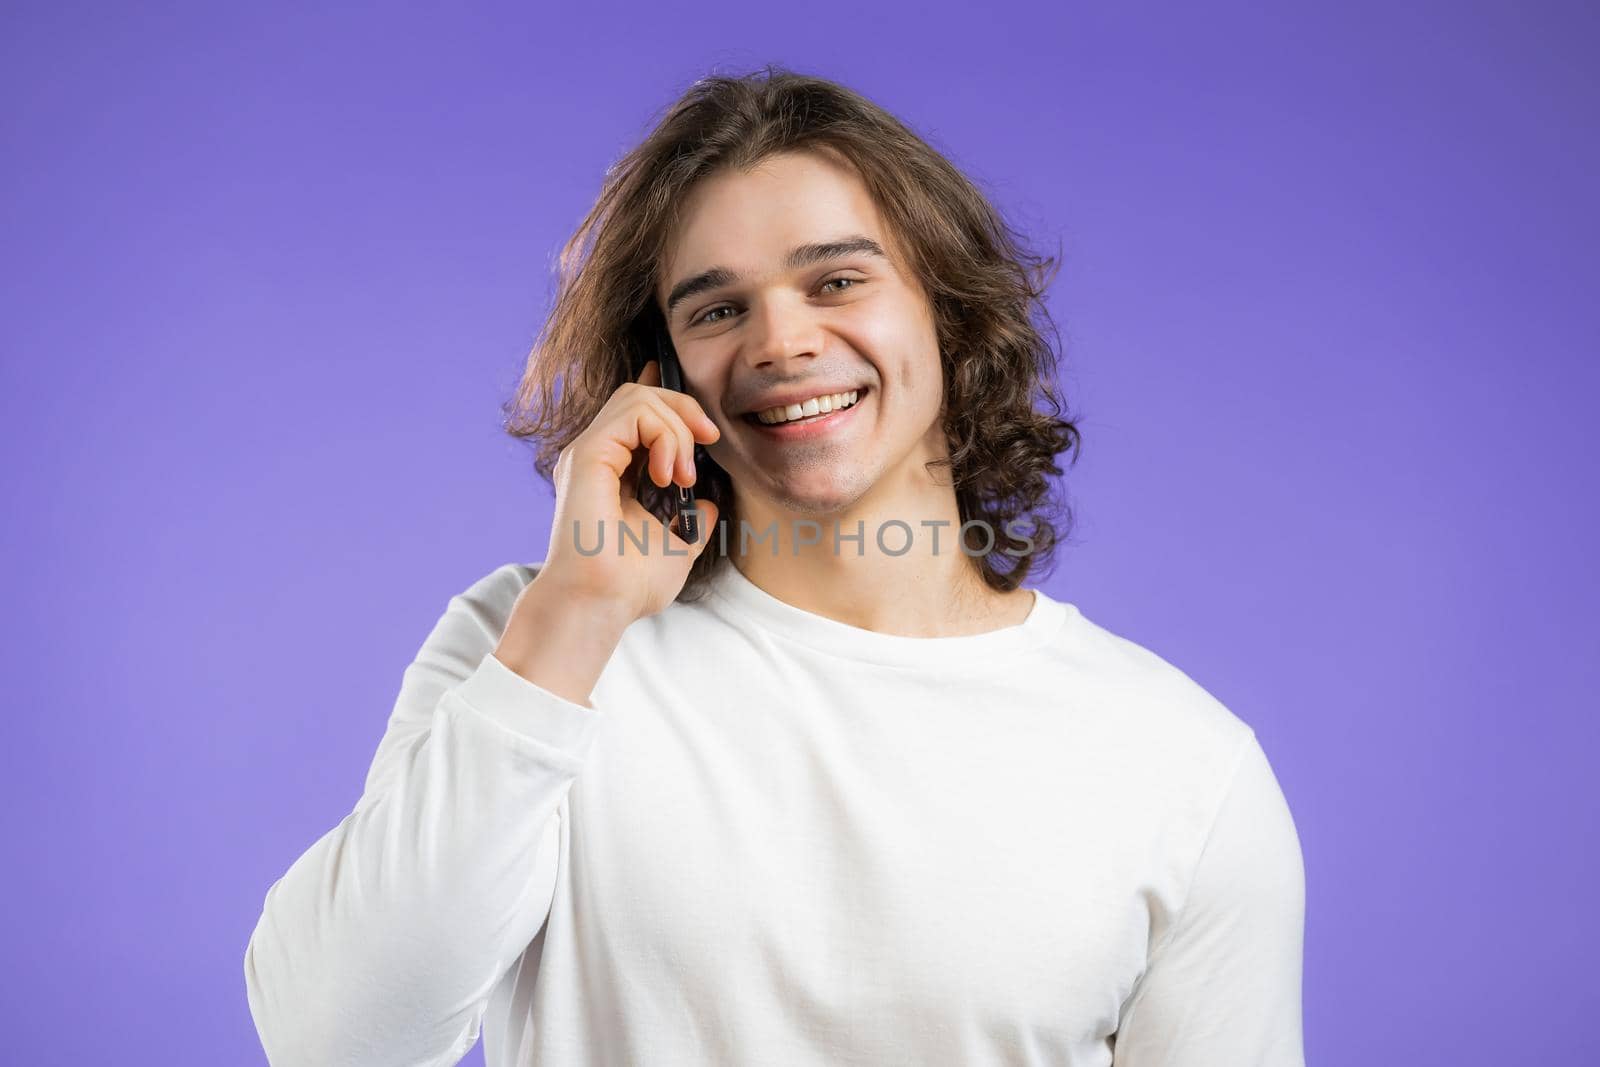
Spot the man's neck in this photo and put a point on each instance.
(932, 589)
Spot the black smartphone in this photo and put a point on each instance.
(672, 378)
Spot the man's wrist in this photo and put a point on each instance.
(561, 641)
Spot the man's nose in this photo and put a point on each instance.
(783, 330)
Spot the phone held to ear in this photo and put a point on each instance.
(672, 378)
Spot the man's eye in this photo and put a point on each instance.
(707, 317)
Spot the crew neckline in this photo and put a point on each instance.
(740, 600)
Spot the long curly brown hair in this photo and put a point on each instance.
(1003, 412)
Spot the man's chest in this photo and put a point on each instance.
(971, 868)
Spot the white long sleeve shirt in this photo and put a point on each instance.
(778, 839)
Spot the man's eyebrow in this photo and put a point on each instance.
(799, 256)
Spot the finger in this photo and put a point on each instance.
(687, 408)
(619, 431)
(630, 477)
(682, 470)
(706, 513)
(656, 433)
(701, 426)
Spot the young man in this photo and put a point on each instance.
(868, 799)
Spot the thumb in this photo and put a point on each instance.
(706, 524)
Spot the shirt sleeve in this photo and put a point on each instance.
(1223, 987)
(383, 941)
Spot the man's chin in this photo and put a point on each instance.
(789, 503)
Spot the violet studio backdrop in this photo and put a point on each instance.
(1327, 311)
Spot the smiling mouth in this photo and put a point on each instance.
(754, 417)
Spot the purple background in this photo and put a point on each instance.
(1328, 309)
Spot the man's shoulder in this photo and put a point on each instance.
(1139, 690)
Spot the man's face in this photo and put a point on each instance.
(762, 330)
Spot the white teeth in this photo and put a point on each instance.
(817, 405)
